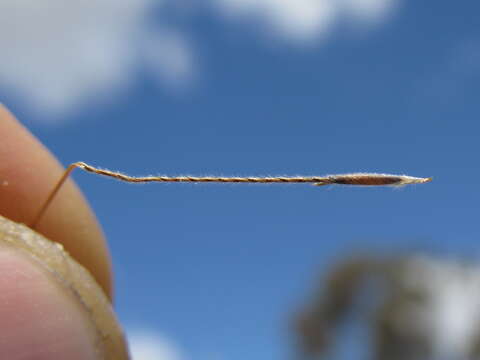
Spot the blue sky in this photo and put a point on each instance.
(245, 90)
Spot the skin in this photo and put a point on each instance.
(28, 172)
(54, 303)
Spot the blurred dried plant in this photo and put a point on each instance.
(426, 308)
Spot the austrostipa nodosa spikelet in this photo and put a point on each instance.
(359, 179)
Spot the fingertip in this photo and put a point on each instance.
(28, 172)
(38, 320)
(51, 307)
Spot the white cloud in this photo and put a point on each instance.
(170, 56)
(368, 10)
(296, 19)
(306, 20)
(149, 345)
(60, 54)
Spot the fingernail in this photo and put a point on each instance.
(50, 306)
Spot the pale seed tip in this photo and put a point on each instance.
(415, 180)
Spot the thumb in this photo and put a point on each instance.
(50, 306)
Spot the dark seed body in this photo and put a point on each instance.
(366, 179)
